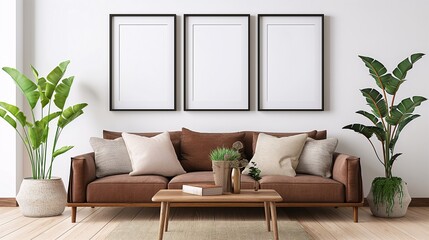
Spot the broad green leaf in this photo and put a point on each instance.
(61, 151)
(403, 67)
(54, 77)
(401, 70)
(416, 56)
(10, 121)
(391, 84)
(62, 92)
(28, 88)
(35, 73)
(393, 158)
(45, 124)
(49, 90)
(367, 131)
(359, 128)
(376, 69)
(71, 113)
(405, 122)
(370, 116)
(41, 86)
(45, 133)
(404, 109)
(379, 133)
(63, 65)
(7, 118)
(50, 117)
(15, 112)
(36, 134)
(401, 126)
(376, 101)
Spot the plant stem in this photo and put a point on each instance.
(387, 165)
(57, 135)
(375, 151)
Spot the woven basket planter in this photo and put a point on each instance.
(42, 197)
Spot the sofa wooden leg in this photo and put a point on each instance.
(73, 214)
(355, 214)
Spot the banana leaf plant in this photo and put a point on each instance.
(46, 98)
(389, 118)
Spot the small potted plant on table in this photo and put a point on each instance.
(222, 158)
(254, 172)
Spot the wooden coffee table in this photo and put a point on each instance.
(267, 196)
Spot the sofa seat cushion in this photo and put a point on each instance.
(305, 188)
(203, 177)
(125, 188)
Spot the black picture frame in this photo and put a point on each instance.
(168, 101)
(295, 21)
(211, 105)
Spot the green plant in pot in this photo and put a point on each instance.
(388, 196)
(222, 160)
(254, 173)
(42, 195)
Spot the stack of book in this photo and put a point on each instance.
(202, 189)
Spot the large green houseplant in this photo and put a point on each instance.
(46, 98)
(388, 117)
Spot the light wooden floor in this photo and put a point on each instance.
(320, 223)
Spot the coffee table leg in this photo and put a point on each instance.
(167, 213)
(267, 215)
(162, 220)
(274, 217)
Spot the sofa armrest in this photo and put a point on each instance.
(82, 172)
(347, 170)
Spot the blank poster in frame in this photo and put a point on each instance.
(142, 62)
(290, 62)
(216, 62)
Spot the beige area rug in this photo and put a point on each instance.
(209, 229)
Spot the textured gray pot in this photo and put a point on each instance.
(399, 210)
(42, 197)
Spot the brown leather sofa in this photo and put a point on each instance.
(343, 189)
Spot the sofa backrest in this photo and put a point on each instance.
(249, 140)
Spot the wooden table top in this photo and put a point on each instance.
(246, 195)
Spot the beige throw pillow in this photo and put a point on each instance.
(111, 157)
(277, 156)
(152, 155)
(316, 157)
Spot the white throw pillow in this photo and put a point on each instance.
(277, 156)
(316, 157)
(111, 157)
(154, 155)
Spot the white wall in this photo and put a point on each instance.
(11, 56)
(388, 30)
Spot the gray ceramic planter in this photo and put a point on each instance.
(399, 210)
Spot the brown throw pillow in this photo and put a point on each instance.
(310, 134)
(196, 147)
